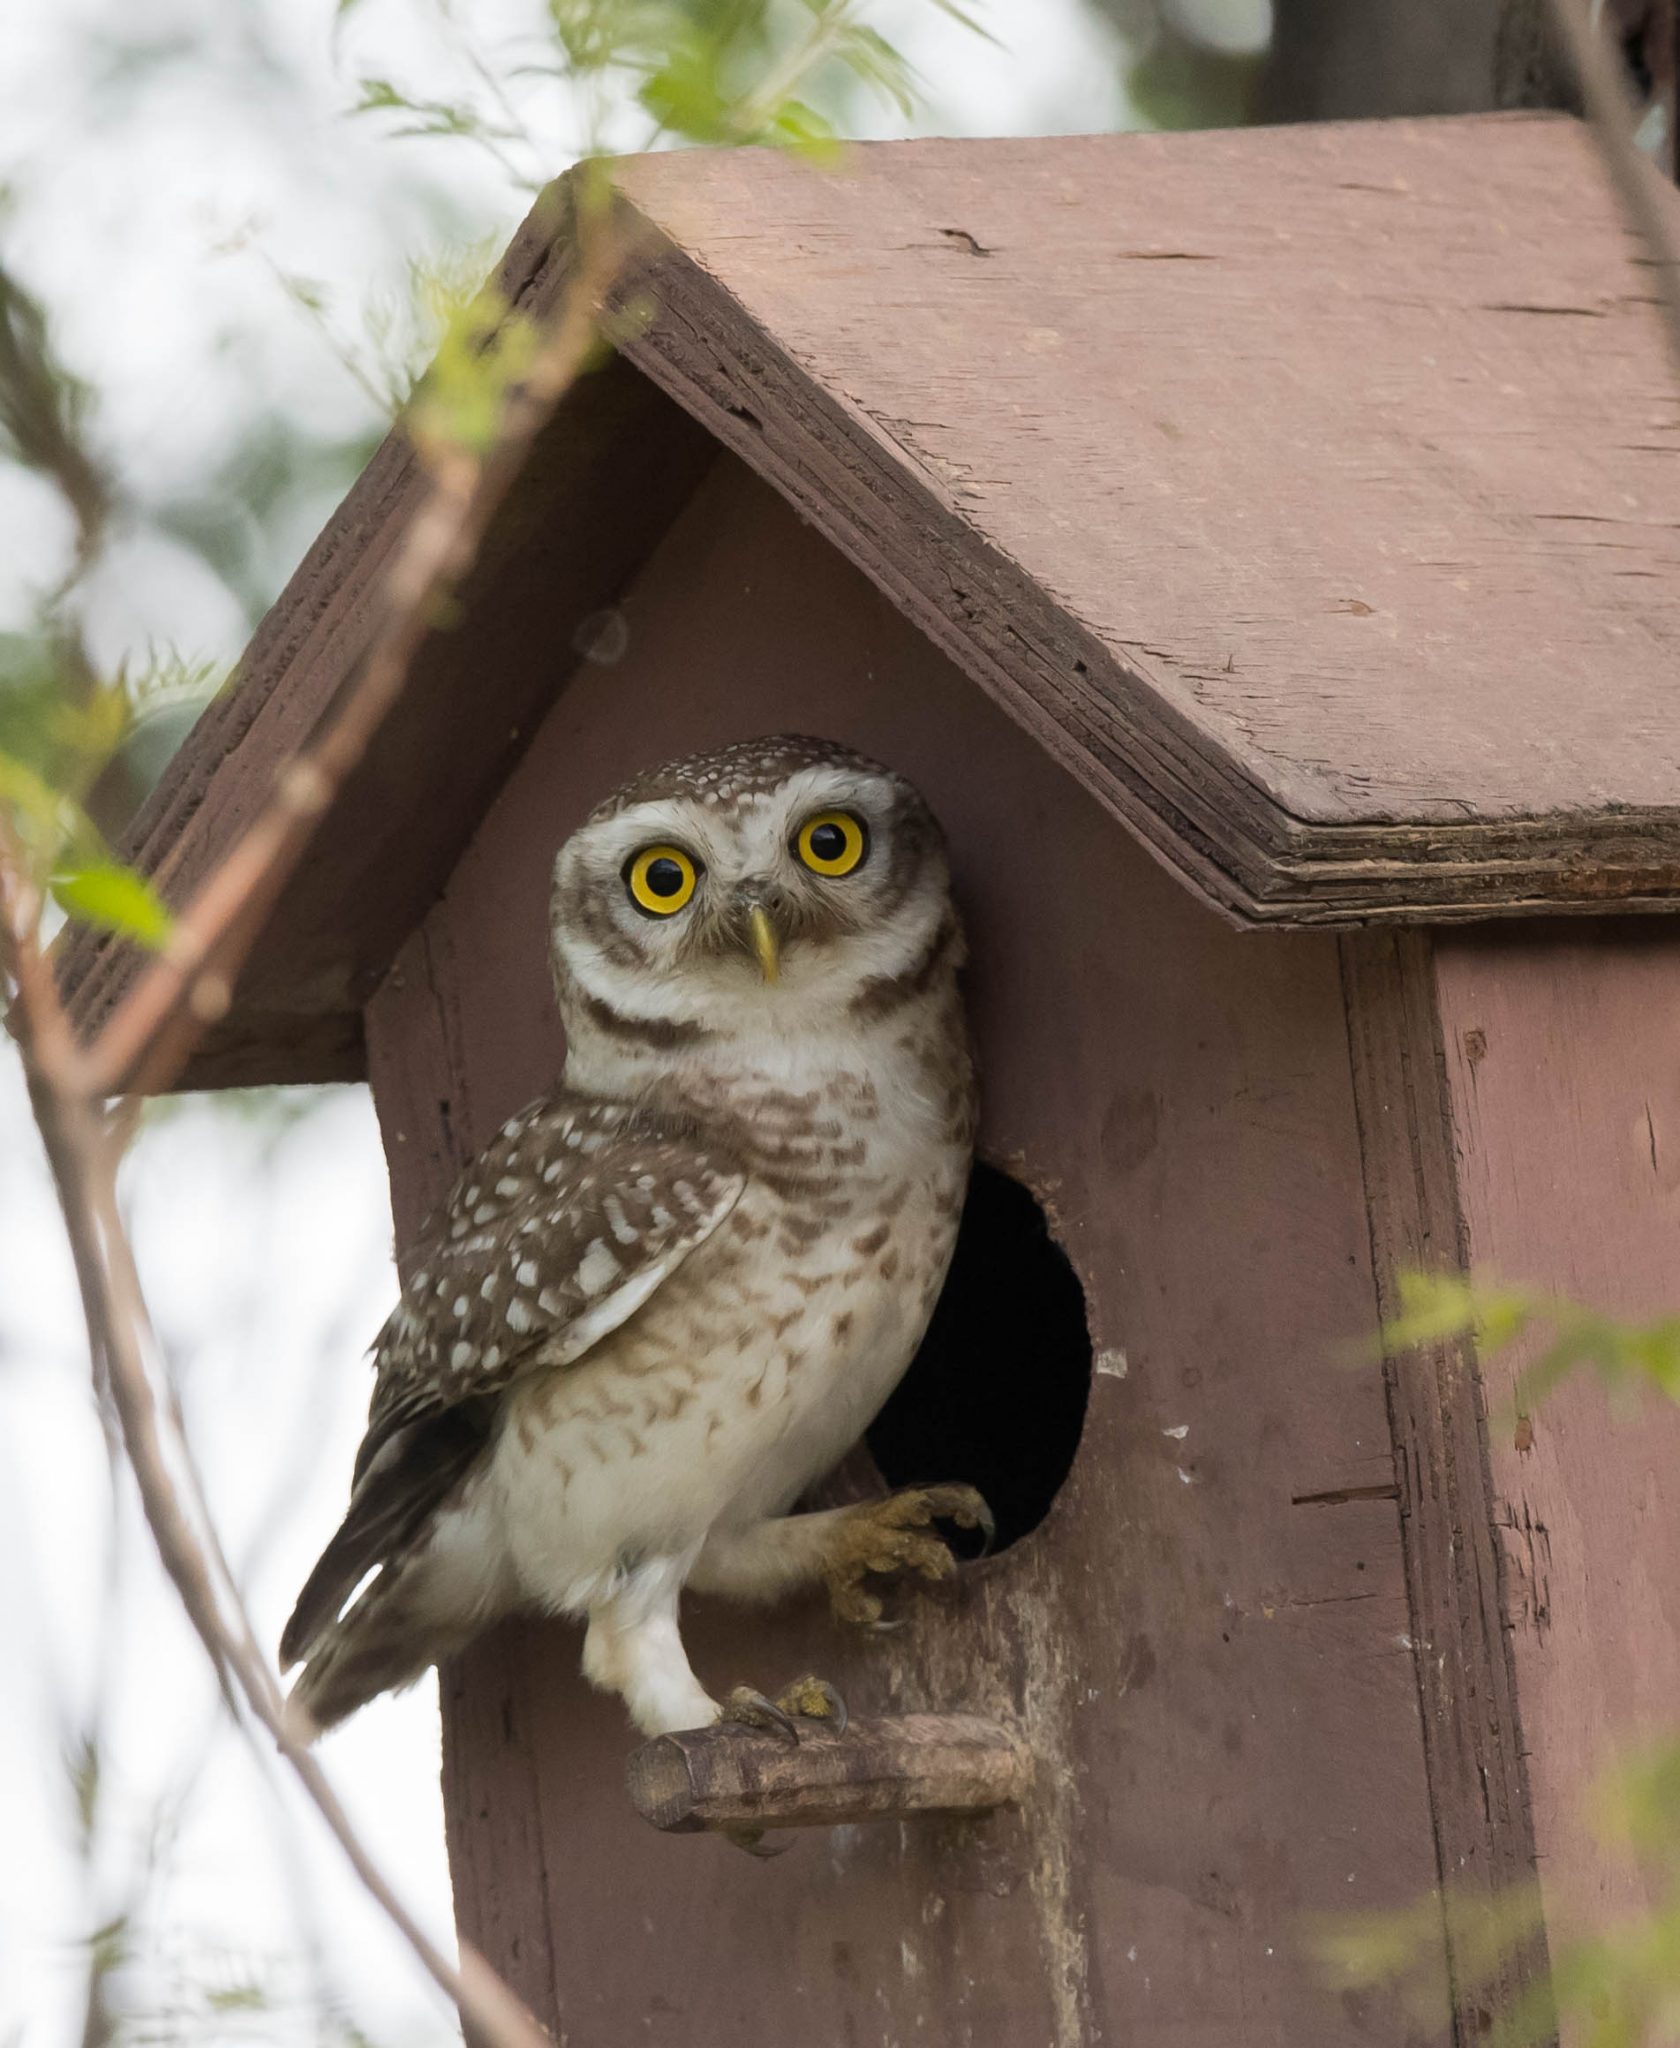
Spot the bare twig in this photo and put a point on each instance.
(155, 1026)
(189, 985)
(83, 1161)
(39, 406)
(1638, 184)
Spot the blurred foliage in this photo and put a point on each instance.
(398, 335)
(1191, 63)
(43, 412)
(62, 724)
(1616, 1986)
(1627, 1357)
(77, 748)
(1402, 1949)
(776, 72)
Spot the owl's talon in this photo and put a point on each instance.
(807, 1699)
(746, 1707)
(982, 1519)
(896, 1535)
(814, 1699)
(752, 1841)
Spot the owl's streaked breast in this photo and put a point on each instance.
(762, 1360)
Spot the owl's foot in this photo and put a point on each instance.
(807, 1699)
(896, 1535)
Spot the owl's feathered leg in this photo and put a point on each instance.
(840, 1547)
(634, 1648)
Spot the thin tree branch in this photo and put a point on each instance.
(155, 1026)
(1637, 183)
(82, 1160)
(189, 985)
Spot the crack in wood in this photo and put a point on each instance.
(1338, 1496)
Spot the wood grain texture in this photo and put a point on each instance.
(1473, 1737)
(1565, 1096)
(880, 1770)
(1308, 492)
(1309, 495)
(1205, 1646)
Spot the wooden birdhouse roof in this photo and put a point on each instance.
(1310, 493)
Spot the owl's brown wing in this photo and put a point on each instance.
(563, 1226)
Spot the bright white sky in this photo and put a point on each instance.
(150, 217)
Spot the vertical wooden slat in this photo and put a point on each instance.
(1472, 1738)
(1562, 1064)
(421, 1079)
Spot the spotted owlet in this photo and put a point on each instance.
(668, 1296)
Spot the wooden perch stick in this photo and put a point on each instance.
(729, 1777)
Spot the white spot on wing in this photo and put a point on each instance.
(598, 1268)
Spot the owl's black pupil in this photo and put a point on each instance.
(665, 877)
(828, 842)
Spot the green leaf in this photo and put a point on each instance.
(238, 1998)
(30, 798)
(116, 899)
(1436, 1307)
(804, 132)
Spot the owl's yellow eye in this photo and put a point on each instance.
(831, 843)
(661, 879)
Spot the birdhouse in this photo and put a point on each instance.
(1260, 548)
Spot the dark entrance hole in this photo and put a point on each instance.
(996, 1395)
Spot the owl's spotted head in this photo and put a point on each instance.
(779, 885)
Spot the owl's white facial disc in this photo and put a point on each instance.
(661, 898)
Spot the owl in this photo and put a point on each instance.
(669, 1295)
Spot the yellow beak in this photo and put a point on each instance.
(764, 942)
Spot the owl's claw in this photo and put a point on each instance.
(814, 1699)
(746, 1707)
(896, 1535)
(807, 1699)
(752, 1840)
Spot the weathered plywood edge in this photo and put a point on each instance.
(1109, 717)
(572, 527)
(1473, 1745)
(328, 585)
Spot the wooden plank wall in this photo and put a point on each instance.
(1564, 1083)
(1479, 1794)
(1207, 1644)
(1519, 1100)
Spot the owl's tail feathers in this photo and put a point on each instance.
(363, 1623)
(381, 1645)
